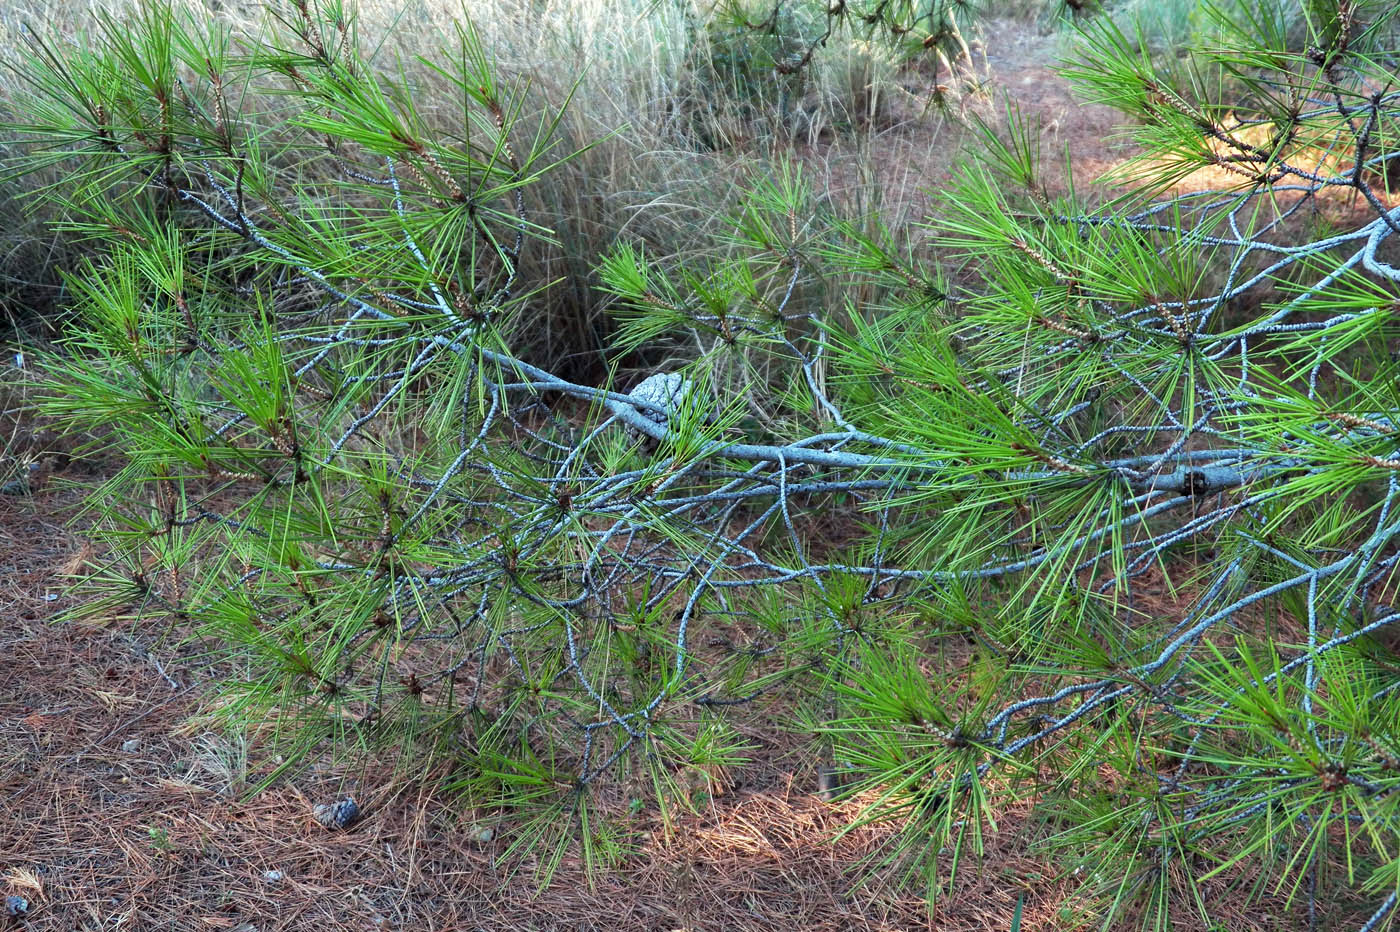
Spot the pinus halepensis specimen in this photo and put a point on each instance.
(1139, 471)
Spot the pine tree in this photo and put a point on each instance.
(1116, 482)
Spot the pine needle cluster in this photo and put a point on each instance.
(1114, 489)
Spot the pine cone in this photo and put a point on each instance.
(666, 390)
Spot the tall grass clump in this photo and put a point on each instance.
(1107, 531)
(672, 107)
(668, 105)
(32, 252)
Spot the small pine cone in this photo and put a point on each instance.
(338, 815)
(665, 390)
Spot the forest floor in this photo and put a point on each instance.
(122, 806)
